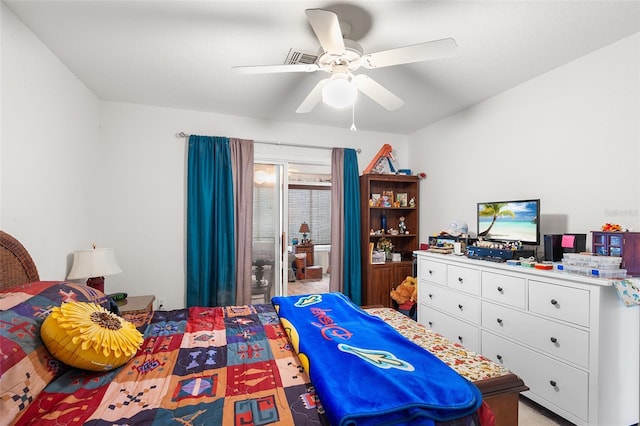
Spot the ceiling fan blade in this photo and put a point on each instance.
(326, 26)
(270, 69)
(415, 53)
(313, 97)
(378, 93)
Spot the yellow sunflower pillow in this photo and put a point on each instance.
(87, 336)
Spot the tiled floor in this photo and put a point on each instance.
(309, 286)
(532, 414)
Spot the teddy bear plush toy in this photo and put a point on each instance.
(405, 297)
(405, 292)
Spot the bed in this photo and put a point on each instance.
(207, 366)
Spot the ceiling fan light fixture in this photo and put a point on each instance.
(340, 92)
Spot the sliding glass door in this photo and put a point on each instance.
(309, 210)
(268, 218)
(277, 218)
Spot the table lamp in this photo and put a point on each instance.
(304, 230)
(94, 265)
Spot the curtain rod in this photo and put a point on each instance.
(297, 145)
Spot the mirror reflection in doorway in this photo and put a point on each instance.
(308, 228)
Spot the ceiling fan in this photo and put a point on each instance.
(341, 57)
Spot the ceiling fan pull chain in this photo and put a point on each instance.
(353, 117)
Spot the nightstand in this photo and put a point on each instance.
(308, 249)
(137, 309)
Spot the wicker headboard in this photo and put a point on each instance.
(16, 265)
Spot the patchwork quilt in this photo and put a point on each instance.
(199, 366)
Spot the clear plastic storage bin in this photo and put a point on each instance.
(596, 262)
(579, 270)
(606, 262)
(609, 273)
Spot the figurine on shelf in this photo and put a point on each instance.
(402, 227)
(412, 202)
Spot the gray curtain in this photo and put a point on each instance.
(242, 167)
(336, 278)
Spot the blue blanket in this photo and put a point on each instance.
(364, 372)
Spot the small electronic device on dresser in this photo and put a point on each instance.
(115, 299)
(117, 296)
(555, 245)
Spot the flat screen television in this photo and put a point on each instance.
(510, 221)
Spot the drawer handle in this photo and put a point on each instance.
(553, 383)
(500, 289)
(459, 279)
(430, 272)
(430, 296)
(554, 302)
(499, 357)
(430, 323)
(460, 338)
(499, 321)
(460, 307)
(554, 340)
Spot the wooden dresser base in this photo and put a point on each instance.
(502, 395)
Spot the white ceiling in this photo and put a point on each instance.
(180, 53)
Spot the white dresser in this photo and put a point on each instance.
(570, 338)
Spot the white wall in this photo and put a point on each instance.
(48, 142)
(570, 137)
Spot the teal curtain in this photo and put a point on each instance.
(352, 273)
(210, 223)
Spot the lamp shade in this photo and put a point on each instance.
(304, 228)
(98, 262)
(339, 92)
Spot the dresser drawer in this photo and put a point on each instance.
(464, 279)
(556, 301)
(559, 340)
(561, 384)
(452, 328)
(458, 304)
(504, 289)
(431, 271)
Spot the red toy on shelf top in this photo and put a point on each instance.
(611, 227)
